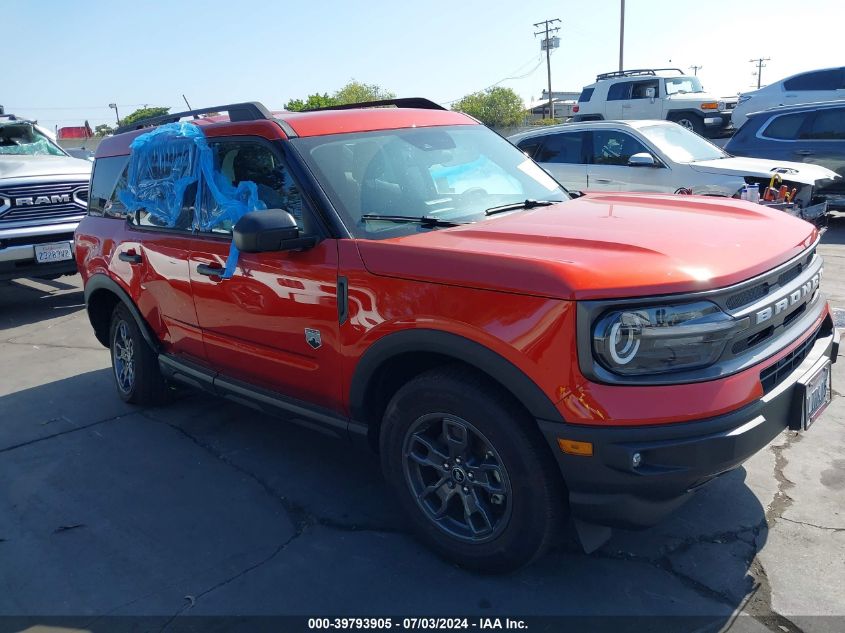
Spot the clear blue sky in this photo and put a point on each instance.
(65, 61)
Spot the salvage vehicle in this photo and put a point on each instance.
(655, 93)
(660, 156)
(825, 84)
(406, 278)
(812, 133)
(43, 195)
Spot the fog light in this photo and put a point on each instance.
(571, 447)
(636, 460)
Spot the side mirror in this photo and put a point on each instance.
(649, 93)
(643, 159)
(269, 230)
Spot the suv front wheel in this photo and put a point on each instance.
(692, 122)
(135, 365)
(471, 471)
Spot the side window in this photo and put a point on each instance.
(561, 148)
(818, 80)
(611, 147)
(619, 92)
(785, 127)
(586, 94)
(108, 179)
(250, 161)
(640, 89)
(828, 125)
(530, 146)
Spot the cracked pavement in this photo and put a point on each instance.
(203, 507)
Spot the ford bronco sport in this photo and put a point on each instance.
(404, 276)
(658, 93)
(43, 195)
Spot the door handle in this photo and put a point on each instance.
(602, 181)
(209, 271)
(130, 256)
(804, 152)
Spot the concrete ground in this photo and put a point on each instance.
(206, 508)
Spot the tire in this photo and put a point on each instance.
(135, 366)
(504, 481)
(692, 122)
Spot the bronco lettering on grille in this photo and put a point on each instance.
(803, 292)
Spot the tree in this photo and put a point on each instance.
(104, 129)
(143, 113)
(494, 107)
(353, 92)
(357, 92)
(316, 100)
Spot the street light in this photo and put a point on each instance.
(116, 115)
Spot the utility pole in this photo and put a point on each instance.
(547, 44)
(621, 35)
(695, 69)
(760, 66)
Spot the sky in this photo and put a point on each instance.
(65, 61)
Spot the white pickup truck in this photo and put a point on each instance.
(43, 196)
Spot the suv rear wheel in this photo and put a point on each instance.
(136, 370)
(692, 122)
(471, 471)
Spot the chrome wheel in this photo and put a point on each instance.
(123, 358)
(457, 477)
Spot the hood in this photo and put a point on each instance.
(25, 166)
(695, 97)
(805, 173)
(601, 246)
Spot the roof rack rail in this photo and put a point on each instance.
(250, 111)
(634, 72)
(406, 102)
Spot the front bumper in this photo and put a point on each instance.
(17, 251)
(606, 489)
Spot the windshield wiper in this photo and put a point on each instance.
(425, 221)
(525, 204)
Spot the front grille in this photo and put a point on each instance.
(755, 293)
(47, 202)
(772, 376)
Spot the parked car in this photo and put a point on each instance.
(653, 94)
(811, 133)
(417, 283)
(810, 87)
(43, 195)
(660, 156)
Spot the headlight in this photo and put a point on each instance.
(656, 340)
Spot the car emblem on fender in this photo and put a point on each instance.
(313, 338)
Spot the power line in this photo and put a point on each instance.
(695, 69)
(760, 66)
(95, 107)
(539, 60)
(548, 46)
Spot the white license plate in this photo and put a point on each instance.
(50, 253)
(817, 394)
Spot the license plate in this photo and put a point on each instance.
(50, 253)
(817, 394)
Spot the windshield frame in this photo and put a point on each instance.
(528, 173)
(672, 152)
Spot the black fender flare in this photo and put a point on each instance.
(100, 281)
(459, 348)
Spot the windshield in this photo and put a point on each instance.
(451, 173)
(683, 85)
(21, 137)
(681, 145)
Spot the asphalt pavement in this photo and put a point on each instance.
(203, 507)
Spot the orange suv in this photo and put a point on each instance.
(399, 274)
